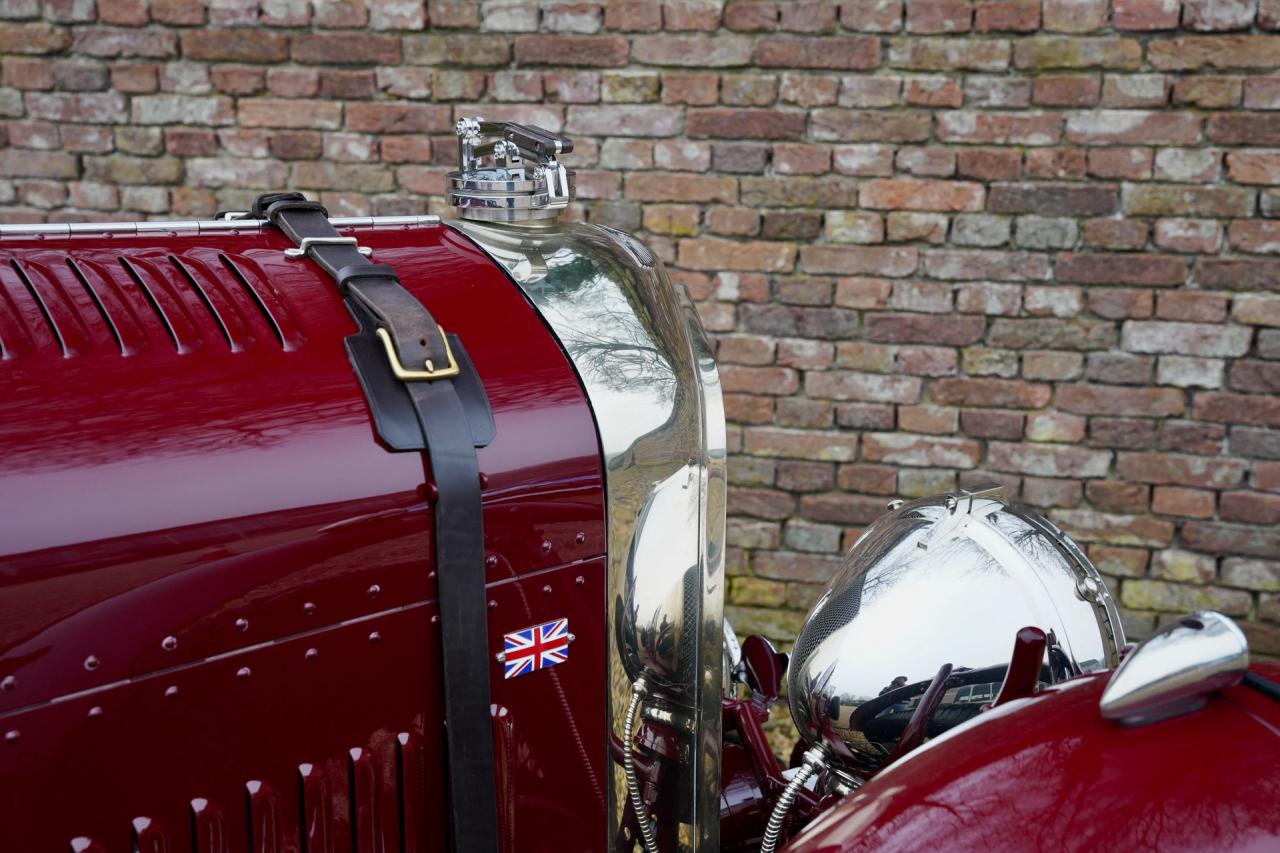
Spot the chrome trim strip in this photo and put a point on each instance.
(655, 393)
(67, 229)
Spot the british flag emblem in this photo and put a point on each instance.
(536, 647)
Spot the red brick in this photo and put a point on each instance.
(1053, 199)
(1189, 53)
(923, 328)
(1098, 268)
(1020, 16)
(1181, 501)
(602, 51)
(1044, 52)
(939, 16)
(841, 125)
(861, 387)
(750, 15)
(922, 195)
(988, 164)
(991, 423)
(1003, 393)
(633, 16)
(1251, 507)
(1004, 128)
(668, 186)
(713, 254)
(933, 92)
(847, 53)
(1066, 90)
(1191, 306)
(699, 51)
(1114, 496)
(1086, 399)
(1254, 167)
(1207, 92)
(859, 260)
(390, 117)
(1127, 164)
(353, 48)
(1056, 164)
(809, 16)
(912, 450)
(748, 409)
(950, 54)
(872, 16)
(1145, 15)
(1196, 471)
(1075, 16)
(745, 124)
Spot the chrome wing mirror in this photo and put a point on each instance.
(1174, 671)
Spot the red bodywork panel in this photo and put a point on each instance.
(217, 596)
(1049, 773)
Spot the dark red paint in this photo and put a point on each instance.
(1049, 773)
(216, 588)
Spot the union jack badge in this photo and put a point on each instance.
(536, 647)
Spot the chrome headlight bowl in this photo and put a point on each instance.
(943, 580)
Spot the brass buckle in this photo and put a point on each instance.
(404, 374)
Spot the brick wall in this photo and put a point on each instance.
(942, 244)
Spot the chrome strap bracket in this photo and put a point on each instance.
(300, 251)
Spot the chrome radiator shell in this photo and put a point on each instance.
(648, 371)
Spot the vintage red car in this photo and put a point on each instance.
(387, 533)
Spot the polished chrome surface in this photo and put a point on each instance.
(509, 172)
(68, 229)
(942, 580)
(1176, 669)
(648, 372)
(732, 660)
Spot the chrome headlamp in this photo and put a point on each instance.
(942, 580)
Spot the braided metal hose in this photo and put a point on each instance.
(814, 760)
(629, 770)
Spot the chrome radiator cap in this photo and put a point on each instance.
(509, 172)
(940, 582)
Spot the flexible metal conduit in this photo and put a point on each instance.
(629, 770)
(813, 761)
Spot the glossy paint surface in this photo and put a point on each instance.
(211, 575)
(1049, 773)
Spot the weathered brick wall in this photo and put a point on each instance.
(942, 244)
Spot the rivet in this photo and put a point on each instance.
(435, 617)
(432, 492)
(171, 692)
(91, 663)
(169, 643)
(9, 683)
(308, 607)
(491, 561)
(375, 636)
(579, 580)
(580, 538)
(374, 589)
(484, 480)
(311, 654)
(242, 624)
(12, 736)
(546, 590)
(431, 575)
(95, 713)
(493, 605)
(546, 546)
(243, 672)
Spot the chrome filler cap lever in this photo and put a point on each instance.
(509, 172)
